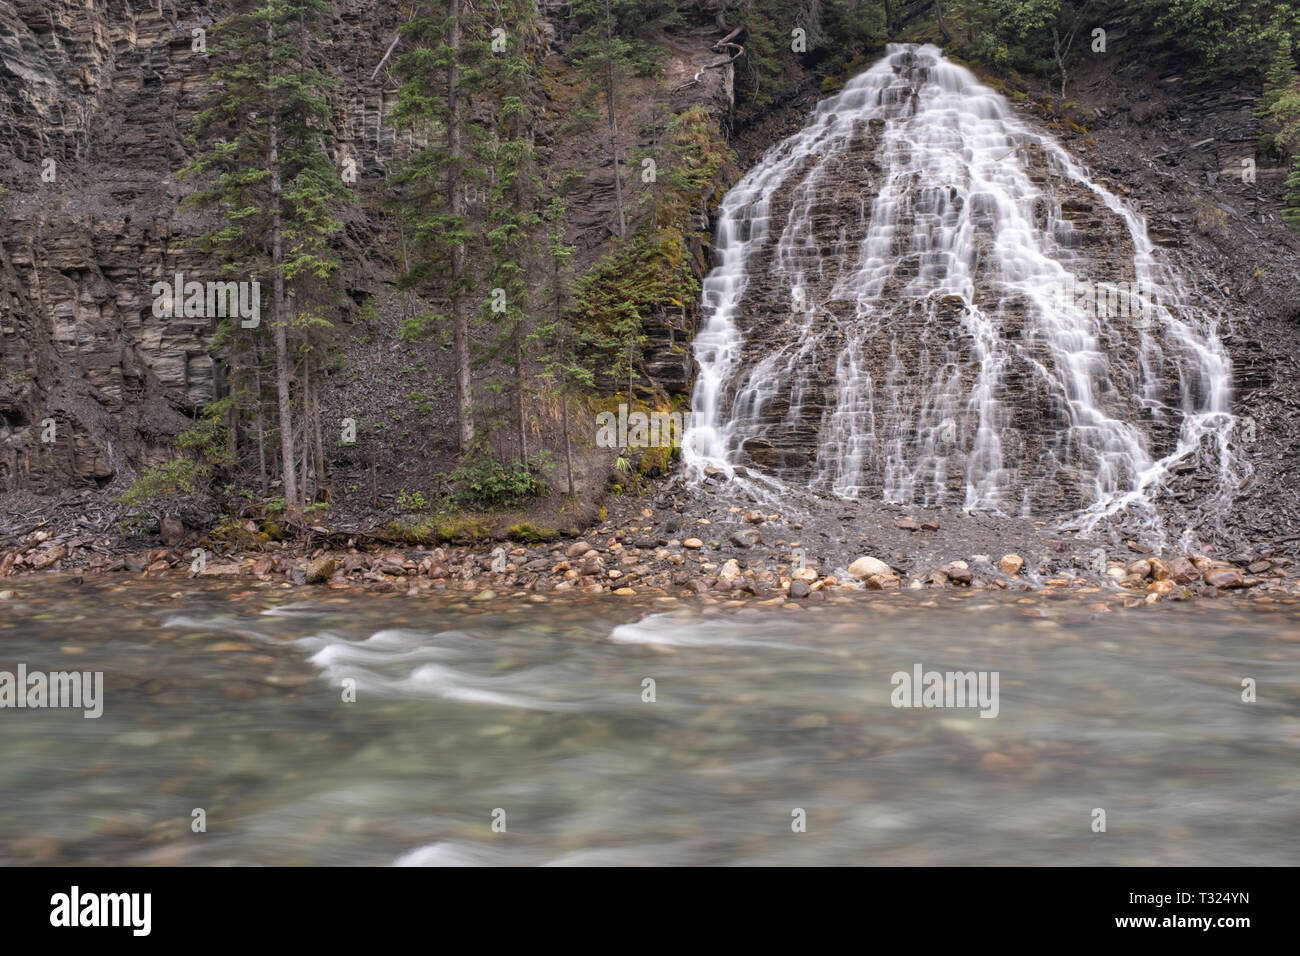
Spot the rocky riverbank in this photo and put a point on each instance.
(716, 543)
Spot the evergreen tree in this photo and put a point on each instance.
(269, 175)
(563, 368)
(513, 219)
(1279, 106)
(605, 55)
(439, 72)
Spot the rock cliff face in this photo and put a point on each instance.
(96, 101)
(95, 104)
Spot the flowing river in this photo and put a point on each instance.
(230, 700)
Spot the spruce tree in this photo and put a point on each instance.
(268, 175)
(513, 217)
(438, 74)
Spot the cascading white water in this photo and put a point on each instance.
(892, 314)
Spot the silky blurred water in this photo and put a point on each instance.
(231, 700)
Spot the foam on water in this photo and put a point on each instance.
(446, 665)
(670, 630)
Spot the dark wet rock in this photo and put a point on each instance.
(799, 589)
(745, 538)
(171, 531)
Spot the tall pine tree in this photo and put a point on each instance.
(269, 177)
(438, 74)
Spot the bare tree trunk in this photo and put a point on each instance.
(306, 481)
(568, 448)
(938, 9)
(261, 424)
(1061, 44)
(374, 480)
(613, 123)
(280, 319)
(316, 435)
(456, 203)
(518, 343)
(232, 425)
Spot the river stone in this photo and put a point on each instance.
(807, 575)
(1139, 569)
(577, 549)
(1182, 571)
(693, 544)
(1224, 578)
(47, 556)
(883, 582)
(320, 568)
(1011, 564)
(799, 589)
(958, 572)
(730, 571)
(745, 538)
(867, 566)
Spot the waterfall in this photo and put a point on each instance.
(920, 298)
